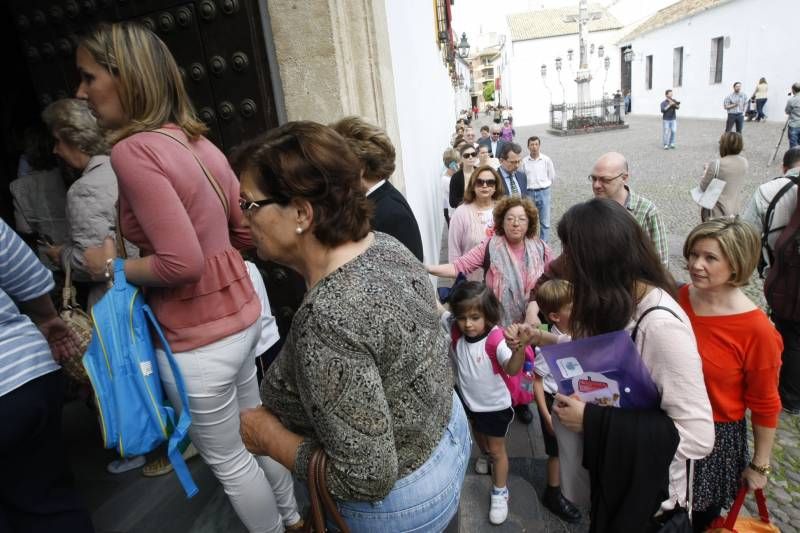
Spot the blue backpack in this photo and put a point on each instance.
(121, 364)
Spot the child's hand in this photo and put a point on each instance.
(511, 334)
(527, 334)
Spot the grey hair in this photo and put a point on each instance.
(71, 121)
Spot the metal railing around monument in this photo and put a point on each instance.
(593, 115)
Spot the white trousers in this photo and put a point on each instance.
(221, 380)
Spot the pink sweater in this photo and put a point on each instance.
(171, 212)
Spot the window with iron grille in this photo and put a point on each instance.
(677, 67)
(717, 46)
(648, 72)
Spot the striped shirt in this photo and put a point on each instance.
(646, 214)
(24, 352)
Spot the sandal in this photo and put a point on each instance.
(161, 465)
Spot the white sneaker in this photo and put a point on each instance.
(498, 509)
(666, 147)
(482, 465)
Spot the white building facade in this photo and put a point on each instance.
(701, 54)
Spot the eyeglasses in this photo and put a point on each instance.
(469, 155)
(520, 219)
(249, 207)
(485, 183)
(605, 180)
(495, 133)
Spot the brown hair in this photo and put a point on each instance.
(606, 255)
(371, 145)
(738, 241)
(150, 86)
(469, 194)
(507, 202)
(471, 295)
(306, 161)
(552, 295)
(730, 143)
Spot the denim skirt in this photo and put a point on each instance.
(426, 499)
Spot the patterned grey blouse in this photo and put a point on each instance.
(364, 373)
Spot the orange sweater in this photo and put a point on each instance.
(741, 358)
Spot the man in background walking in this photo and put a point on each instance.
(669, 107)
(735, 104)
(793, 110)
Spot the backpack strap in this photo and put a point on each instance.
(455, 334)
(648, 311)
(492, 342)
(766, 228)
(181, 427)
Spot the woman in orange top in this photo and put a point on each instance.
(741, 353)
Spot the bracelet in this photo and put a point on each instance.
(764, 470)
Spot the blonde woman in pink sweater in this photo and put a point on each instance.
(473, 221)
(192, 273)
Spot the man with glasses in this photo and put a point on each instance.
(494, 142)
(514, 180)
(609, 179)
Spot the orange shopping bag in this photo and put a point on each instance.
(760, 524)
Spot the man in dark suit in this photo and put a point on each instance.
(494, 142)
(376, 152)
(515, 181)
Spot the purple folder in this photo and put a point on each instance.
(605, 370)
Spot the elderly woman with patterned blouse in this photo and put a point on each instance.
(364, 374)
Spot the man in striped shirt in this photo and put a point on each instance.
(609, 179)
(35, 492)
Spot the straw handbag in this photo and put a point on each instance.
(749, 524)
(80, 323)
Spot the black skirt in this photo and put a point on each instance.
(717, 477)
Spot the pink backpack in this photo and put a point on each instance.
(519, 396)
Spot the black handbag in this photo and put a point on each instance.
(678, 519)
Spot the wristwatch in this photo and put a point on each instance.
(763, 470)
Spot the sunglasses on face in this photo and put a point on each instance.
(249, 207)
(495, 133)
(469, 154)
(485, 183)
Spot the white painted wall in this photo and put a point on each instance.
(763, 42)
(426, 116)
(532, 99)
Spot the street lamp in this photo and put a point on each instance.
(463, 46)
(544, 71)
(591, 49)
(569, 54)
(558, 63)
(544, 81)
(601, 51)
(607, 65)
(563, 91)
(628, 55)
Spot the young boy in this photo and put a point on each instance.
(555, 302)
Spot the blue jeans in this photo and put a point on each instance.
(760, 102)
(735, 119)
(670, 127)
(794, 137)
(426, 499)
(541, 198)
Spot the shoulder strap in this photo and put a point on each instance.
(648, 311)
(211, 179)
(181, 427)
(455, 334)
(716, 168)
(770, 213)
(487, 260)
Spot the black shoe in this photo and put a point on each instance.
(791, 411)
(557, 504)
(523, 414)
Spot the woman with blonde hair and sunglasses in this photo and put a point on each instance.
(178, 202)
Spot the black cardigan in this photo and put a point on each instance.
(393, 215)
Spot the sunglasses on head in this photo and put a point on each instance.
(485, 183)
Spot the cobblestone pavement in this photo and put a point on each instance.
(665, 177)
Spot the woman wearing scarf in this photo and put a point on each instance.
(515, 257)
